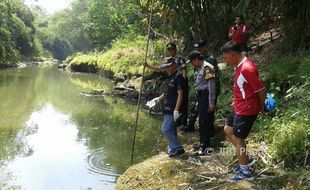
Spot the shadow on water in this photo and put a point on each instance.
(53, 138)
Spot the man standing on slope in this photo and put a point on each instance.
(205, 86)
(202, 47)
(249, 98)
(180, 65)
(239, 34)
(173, 106)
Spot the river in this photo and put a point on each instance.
(53, 137)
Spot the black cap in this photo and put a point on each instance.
(200, 44)
(171, 46)
(168, 62)
(194, 55)
(231, 47)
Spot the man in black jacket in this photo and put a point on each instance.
(173, 106)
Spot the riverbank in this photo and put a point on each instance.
(43, 63)
(284, 152)
(200, 173)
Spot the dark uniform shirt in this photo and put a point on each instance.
(175, 83)
(212, 60)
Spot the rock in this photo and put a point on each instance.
(183, 186)
(22, 65)
(93, 94)
(158, 172)
(7, 65)
(86, 68)
(62, 66)
(135, 83)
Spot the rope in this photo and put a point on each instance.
(141, 86)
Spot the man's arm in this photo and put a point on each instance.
(251, 75)
(161, 97)
(212, 93)
(231, 32)
(262, 98)
(154, 68)
(179, 100)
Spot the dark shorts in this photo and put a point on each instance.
(241, 125)
(244, 47)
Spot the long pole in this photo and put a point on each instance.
(142, 82)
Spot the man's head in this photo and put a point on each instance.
(171, 49)
(239, 20)
(196, 58)
(201, 46)
(232, 53)
(169, 65)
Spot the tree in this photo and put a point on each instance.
(61, 48)
(17, 32)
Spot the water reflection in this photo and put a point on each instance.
(53, 138)
(58, 159)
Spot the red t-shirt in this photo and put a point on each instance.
(238, 33)
(246, 86)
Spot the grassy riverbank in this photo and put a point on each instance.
(123, 60)
(280, 142)
(283, 135)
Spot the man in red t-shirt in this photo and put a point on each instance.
(239, 33)
(249, 98)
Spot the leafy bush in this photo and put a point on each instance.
(281, 69)
(17, 32)
(61, 48)
(288, 133)
(292, 139)
(304, 69)
(125, 58)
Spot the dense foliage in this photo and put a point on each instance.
(17, 32)
(96, 24)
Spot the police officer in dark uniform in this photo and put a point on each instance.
(181, 67)
(205, 86)
(201, 46)
(173, 106)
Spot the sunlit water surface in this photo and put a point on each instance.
(53, 137)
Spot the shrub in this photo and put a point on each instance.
(304, 70)
(282, 69)
(291, 140)
(125, 58)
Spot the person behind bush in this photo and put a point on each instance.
(249, 98)
(173, 106)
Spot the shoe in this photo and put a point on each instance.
(252, 161)
(178, 153)
(236, 170)
(202, 151)
(242, 175)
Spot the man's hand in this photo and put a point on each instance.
(176, 115)
(153, 102)
(212, 107)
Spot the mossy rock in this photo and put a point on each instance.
(158, 172)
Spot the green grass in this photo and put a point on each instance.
(125, 58)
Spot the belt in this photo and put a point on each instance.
(202, 92)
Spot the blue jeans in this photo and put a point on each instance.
(170, 132)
